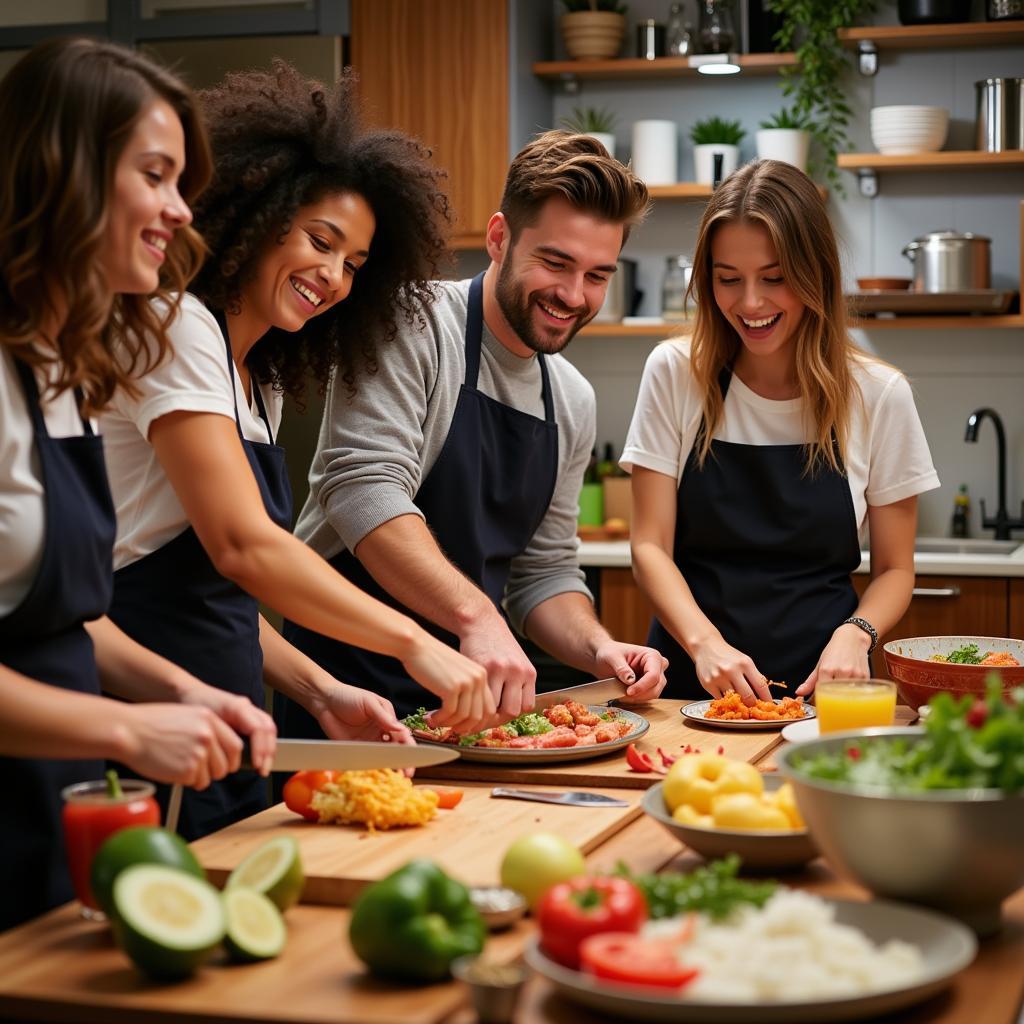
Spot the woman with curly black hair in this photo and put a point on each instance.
(306, 209)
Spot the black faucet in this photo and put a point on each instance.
(1002, 523)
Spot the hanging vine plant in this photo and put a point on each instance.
(815, 84)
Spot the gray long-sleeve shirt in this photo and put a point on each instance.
(376, 448)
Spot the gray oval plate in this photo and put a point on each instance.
(695, 712)
(947, 947)
(497, 755)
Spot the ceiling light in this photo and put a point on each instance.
(715, 63)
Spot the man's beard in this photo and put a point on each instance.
(516, 308)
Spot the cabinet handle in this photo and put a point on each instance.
(936, 592)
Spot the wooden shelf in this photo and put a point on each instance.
(952, 160)
(661, 330)
(930, 323)
(680, 190)
(471, 241)
(919, 37)
(636, 69)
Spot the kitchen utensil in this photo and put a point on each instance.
(620, 299)
(999, 10)
(352, 755)
(600, 691)
(697, 709)
(949, 261)
(498, 905)
(494, 987)
(977, 300)
(759, 851)
(173, 808)
(650, 40)
(908, 128)
(571, 799)
(960, 851)
(883, 283)
(918, 679)
(933, 12)
(678, 271)
(1000, 114)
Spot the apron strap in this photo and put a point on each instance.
(222, 324)
(474, 329)
(35, 410)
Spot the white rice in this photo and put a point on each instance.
(790, 950)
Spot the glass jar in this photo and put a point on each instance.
(678, 33)
(673, 289)
(717, 34)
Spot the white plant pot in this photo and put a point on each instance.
(704, 161)
(787, 144)
(607, 139)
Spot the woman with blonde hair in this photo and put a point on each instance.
(103, 152)
(759, 448)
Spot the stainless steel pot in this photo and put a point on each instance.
(946, 261)
(621, 297)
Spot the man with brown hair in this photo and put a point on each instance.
(448, 484)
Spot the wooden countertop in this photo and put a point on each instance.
(61, 968)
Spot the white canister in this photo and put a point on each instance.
(704, 161)
(655, 152)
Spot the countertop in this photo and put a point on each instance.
(614, 554)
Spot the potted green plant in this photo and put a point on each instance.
(593, 29)
(784, 136)
(815, 85)
(597, 122)
(713, 137)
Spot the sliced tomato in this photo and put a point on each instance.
(447, 796)
(628, 959)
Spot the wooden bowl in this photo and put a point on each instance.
(883, 284)
(918, 679)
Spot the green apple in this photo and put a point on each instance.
(535, 862)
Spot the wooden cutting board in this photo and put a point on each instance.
(467, 842)
(669, 730)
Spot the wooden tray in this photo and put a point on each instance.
(467, 842)
(669, 730)
(979, 300)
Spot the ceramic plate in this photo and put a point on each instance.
(946, 945)
(696, 710)
(498, 755)
(800, 732)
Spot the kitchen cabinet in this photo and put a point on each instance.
(1015, 619)
(624, 609)
(403, 51)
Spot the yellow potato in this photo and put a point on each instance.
(686, 815)
(696, 779)
(739, 777)
(785, 800)
(748, 812)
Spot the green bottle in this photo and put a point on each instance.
(961, 512)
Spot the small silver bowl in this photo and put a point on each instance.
(499, 907)
(493, 987)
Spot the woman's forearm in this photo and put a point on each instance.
(886, 599)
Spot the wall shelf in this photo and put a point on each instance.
(636, 69)
(614, 330)
(931, 323)
(867, 166)
(922, 37)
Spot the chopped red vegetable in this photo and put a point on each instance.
(666, 759)
(638, 761)
(853, 753)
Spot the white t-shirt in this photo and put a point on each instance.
(194, 379)
(22, 502)
(887, 457)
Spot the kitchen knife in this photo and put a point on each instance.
(352, 755)
(598, 692)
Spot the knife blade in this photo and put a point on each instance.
(598, 692)
(352, 755)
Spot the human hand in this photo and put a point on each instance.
(349, 713)
(244, 718)
(511, 676)
(721, 668)
(628, 661)
(177, 743)
(467, 704)
(845, 657)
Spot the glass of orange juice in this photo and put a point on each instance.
(854, 703)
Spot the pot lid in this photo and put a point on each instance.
(946, 235)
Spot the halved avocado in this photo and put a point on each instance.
(166, 920)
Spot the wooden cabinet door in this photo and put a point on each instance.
(625, 611)
(1015, 625)
(438, 69)
(951, 606)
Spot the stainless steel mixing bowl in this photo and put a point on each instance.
(959, 851)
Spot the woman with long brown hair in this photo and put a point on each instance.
(317, 229)
(103, 151)
(758, 450)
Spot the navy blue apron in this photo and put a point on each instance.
(483, 499)
(44, 638)
(767, 551)
(176, 603)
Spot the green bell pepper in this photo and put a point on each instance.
(414, 923)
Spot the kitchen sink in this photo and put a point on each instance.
(963, 546)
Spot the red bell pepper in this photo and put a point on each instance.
(638, 761)
(571, 911)
(299, 789)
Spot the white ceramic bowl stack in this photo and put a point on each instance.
(903, 130)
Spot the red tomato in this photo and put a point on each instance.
(299, 790)
(628, 959)
(447, 796)
(570, 911)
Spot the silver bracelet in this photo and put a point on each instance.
(856, 620)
